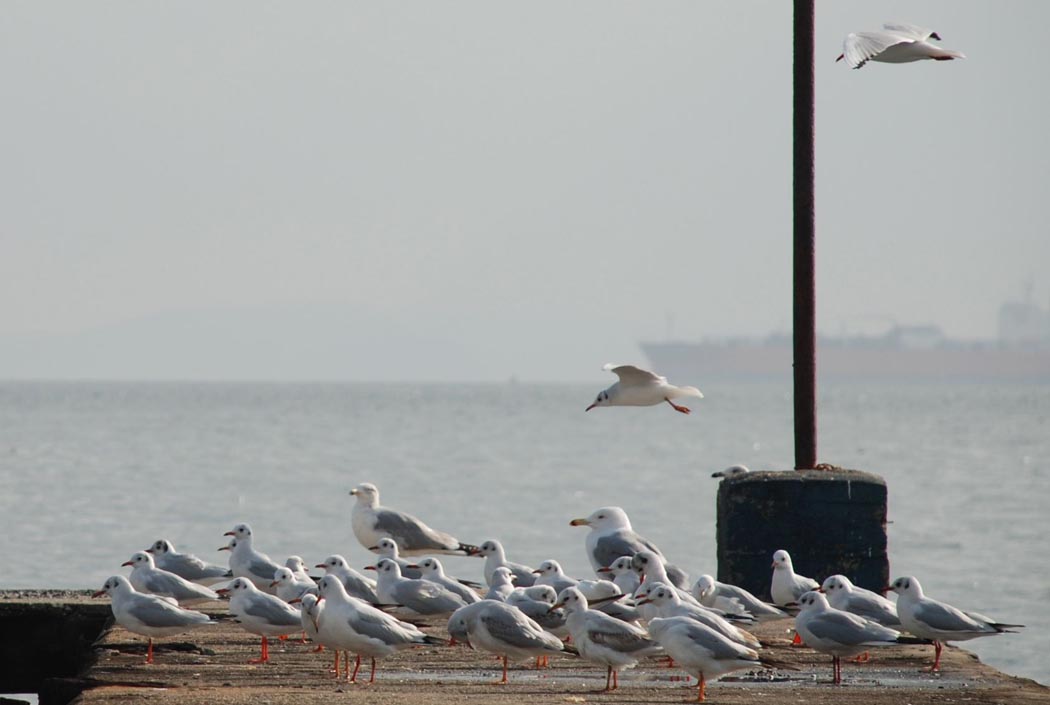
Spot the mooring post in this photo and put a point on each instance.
(805, 329)
(830, 520)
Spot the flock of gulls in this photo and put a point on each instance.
(637, 605)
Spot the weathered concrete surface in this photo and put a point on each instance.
(215, 671)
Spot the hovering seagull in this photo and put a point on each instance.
(832, 631)
(261, 613)
(603, 639)
(372, 522)
(611, 536)
(638, 387)
(148, 615)
(895, 44)
(146, 577)
(187, 565)
(930, 619)
(787, 586)
(701, 651)
(503, 629)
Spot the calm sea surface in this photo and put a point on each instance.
(91, 472)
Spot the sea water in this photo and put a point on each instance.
(91, 472)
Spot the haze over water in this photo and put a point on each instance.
(95, 471)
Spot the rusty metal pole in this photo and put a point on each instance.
(805, 333)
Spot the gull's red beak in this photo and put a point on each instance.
(606, 569)
(274, 583)
(578, 522)
(222, 591)
(126, 563)
(841, 57)
(371, 567)
(229, 533)
(294, 600)
(591, 406)
(223, 548)
(412, 565)
(100, 593)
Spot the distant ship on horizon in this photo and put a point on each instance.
(1021, 352)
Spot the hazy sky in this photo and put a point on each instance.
(473, 190)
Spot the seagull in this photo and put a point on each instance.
(503, 629)
(730, 598)
(732, 471)
(651, 568)
(435, 573)
(895, 44)
(667, 603)
(418, 597)
(701, 651)
(357, 585)
(387, 548)
(844, 595)
(246, 562)
(146, 577)
(372, 522)
(536, 601)
(298, 567)
(930, 619)
(289, 586)
(638, 387)
(500, 585)
(494, 555)
(603, 639)
(611, 536)
(148, 615)
(832, 631)
(353, 625)
(623, 575)
(787, 586)
(550, 573)
(261, 613)
(187, 565)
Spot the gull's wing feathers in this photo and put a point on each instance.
(629, 374)
(518, 630)
(621, 543)
(940, 616)
(911, 31)
(861, 47)
(159, 614)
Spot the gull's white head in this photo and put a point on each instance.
(295, 563)
(160, 547)
(604, 398)
(813, 601)
(240, 586)
(139, 559)
(704, 585)
(115, 585)
(502, 575)
(620, 566)
(605, 518)
(907, 587)
(782, 561)
(330, 585)
(230, 546)
(282, 576)
(386, 547)
(542, 593)
(333, 562)
(431, 566)
(645, 561)
(835, 584)
(657, 593)
(489, 548)
(732, 471)
(549, 568)
(367, 494)
(386, 568)
(241, 531)
(571, 599)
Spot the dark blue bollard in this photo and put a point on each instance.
(830, 521)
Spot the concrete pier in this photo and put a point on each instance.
(210, 666)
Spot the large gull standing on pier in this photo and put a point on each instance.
(372, 522)
(611, 536)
